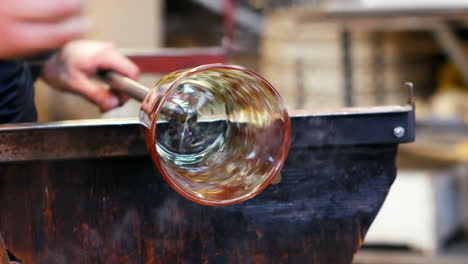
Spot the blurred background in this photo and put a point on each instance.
(325, 55)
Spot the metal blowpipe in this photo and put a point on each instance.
(123, 84)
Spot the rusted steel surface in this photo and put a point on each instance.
(71, 140)
(120, 210)
(3, 252)
(89, 193)
(123, 137)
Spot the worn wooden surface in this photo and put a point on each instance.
(120, 210)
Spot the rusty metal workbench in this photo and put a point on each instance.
(87, 192)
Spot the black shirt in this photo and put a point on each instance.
(17, 79)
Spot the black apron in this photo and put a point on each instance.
(17, 79)
(16, 92)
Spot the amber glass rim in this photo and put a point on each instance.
(157, 159)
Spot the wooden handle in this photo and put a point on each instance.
(123, 84)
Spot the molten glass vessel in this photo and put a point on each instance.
(219, 134)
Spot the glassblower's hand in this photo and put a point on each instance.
(73, 67)
(31, 26)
